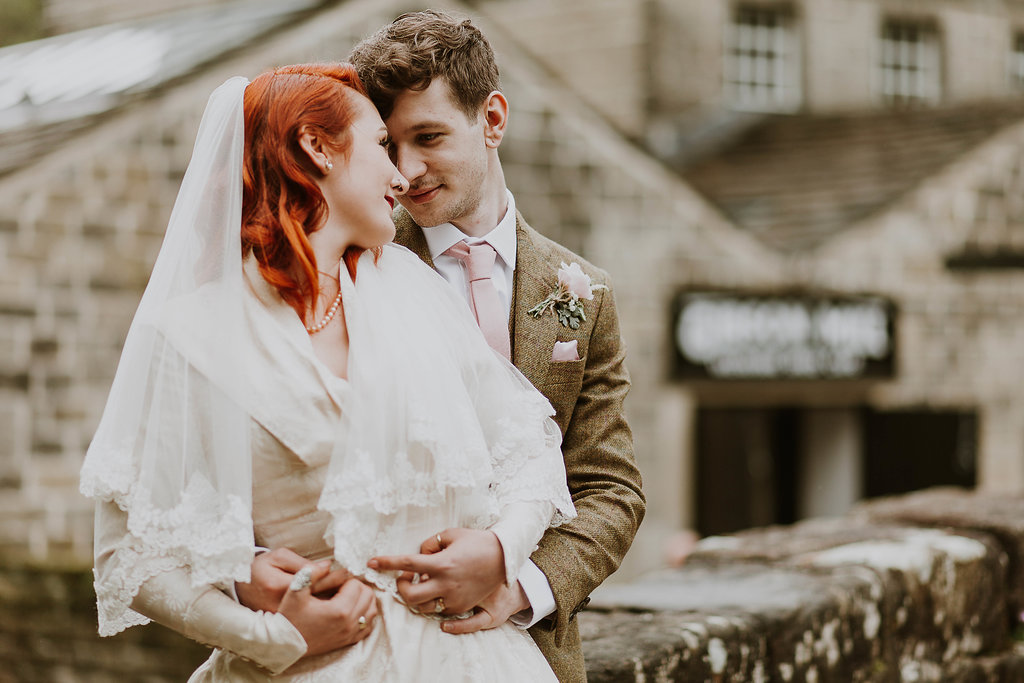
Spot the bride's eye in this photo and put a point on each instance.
(385, 142)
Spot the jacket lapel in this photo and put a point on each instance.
(533, 338)
(410, 235)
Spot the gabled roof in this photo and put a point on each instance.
(53, 87)
(794, 181)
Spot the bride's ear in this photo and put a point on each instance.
(312, 145)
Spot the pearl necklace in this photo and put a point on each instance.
(328, 317)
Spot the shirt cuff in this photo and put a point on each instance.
(538, 592)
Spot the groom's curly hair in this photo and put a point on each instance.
(417, 47)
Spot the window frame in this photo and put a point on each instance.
(1015, 60)
(909, 65)
(762, 60)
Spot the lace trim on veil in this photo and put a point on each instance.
(209, 534)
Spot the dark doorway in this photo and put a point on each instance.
(910, 450)
(752, 467)
(746, 468)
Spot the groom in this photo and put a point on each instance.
(435, 82)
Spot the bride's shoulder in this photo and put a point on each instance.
(395, 257)
(401, 268)
(396, 253)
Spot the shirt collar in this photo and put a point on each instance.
(502, 238)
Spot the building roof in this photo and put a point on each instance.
(794, 181)
(54, 87)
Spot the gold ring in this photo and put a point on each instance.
(362, 622)
(439, 605)
(439, 542)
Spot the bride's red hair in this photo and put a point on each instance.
(281, 203)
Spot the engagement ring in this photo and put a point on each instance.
(439, 605)
(362, 622)
(302, 579)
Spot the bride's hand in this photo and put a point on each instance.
(328, 624)
(273, 571)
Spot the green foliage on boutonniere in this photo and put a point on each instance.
(564, 302)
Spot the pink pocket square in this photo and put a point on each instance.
(564, 351)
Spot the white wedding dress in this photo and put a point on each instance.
(295, 428)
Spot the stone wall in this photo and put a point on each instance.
(48, 635)
(598, 47)
(926, 587)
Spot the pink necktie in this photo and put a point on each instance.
(478, 260)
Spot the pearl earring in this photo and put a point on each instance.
(330, 166)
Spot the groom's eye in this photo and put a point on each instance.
(429, 137)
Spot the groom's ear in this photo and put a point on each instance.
(495, 112)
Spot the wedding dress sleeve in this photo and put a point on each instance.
(202, 613)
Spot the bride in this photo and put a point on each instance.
(291, 379)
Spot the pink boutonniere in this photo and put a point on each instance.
(564, 302)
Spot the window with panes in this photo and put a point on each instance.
(762, 59)
(910, 66)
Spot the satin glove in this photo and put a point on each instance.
(208, 616)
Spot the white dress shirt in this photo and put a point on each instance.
(503, 239)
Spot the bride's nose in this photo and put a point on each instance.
(399, 184)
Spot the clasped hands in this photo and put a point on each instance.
(458, 570)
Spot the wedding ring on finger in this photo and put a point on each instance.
(362, 622)
(440, 543)
(439, 605)
(302, 579)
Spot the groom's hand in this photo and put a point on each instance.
(463, 569)
(271, 574)
(494, 611)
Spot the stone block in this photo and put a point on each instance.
(738, 622)
(942, 596)
(1000, 515)
(999, 668)
(837, 600)
(625, 646)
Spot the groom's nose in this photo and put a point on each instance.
(410, 163)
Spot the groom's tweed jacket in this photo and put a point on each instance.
(596, 441)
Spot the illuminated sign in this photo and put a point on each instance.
(726, 336)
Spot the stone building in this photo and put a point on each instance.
(818, 274)
(872, 149)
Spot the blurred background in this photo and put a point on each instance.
(812, 212)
